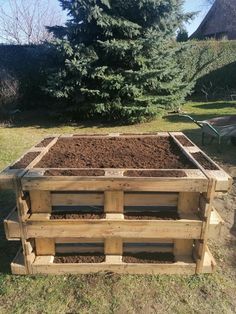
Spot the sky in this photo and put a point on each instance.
(199, 6)
(189, 6)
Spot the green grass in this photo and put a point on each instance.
(106, 293)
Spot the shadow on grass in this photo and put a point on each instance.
(46, 119)
(216, 105)
(8, 249)
(198, 117)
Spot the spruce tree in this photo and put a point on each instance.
(118, 59)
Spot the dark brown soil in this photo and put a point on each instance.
(87, 173)
(154, 173)
(152, 216)
(90, 134)
(80, 258)
(64, 215)
(151, 258)
(25, 160)
(137, 134)
(45, 142)
(184, 141)
(137, 152)
(204, 162)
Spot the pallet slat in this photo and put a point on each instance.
(182, 229)
(126, 184)
(12, 227)
(18, 266)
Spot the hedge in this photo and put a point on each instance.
(211, 63)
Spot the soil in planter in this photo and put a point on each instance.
(152, 258)
(86, 173)
(66, 215)
(116, 152)
(25, 160)
(204, 162)
(152, 216)
(45, 142)
(80, 258)
(95, 134)
(154, 173)
(184, 141)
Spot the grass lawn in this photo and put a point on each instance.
(107, 293)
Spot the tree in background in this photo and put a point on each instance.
(182, 35)
(118, 59)
(24, 21)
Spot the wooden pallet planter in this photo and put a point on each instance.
(116, 193)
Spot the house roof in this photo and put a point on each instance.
(220, 21)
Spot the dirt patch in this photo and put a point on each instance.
(152, 216)
(86, 173)
(184, 141)
(151, 258)
(45, 142)
(204, 162)
(114, 152)
(25, 160)
(80, 258)
(64, 215)
(154, 173)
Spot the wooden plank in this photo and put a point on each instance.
(201, 248)
(113, 246)
(79, 199)
(126, 184)
(78, 240)
(40, 201)
(150, 199)
(45, 246)
(39, 217)
(101, 240)
(114, 259)
(188, 203)
(183, 248)
(30, 247)
(45, 265)
(209, 263)
(114, 202)
(114, 216)
(176, 229)
(7, 178)
(223, 180)
(22, 208)
(12, 226)
(18, 266)
(216, 224)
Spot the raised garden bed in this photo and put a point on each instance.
(118, 189)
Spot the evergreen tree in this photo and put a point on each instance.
(182, 35)
(118, 59)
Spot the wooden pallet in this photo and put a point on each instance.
(44, 264)
(114, 192)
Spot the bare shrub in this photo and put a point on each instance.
(9, 91)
